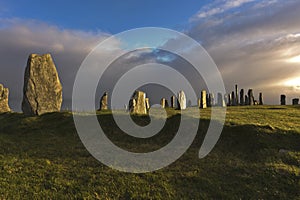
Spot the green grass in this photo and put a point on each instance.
(43, 157)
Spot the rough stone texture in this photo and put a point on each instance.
(229, 100)
(4, 107)
(221, 101)
(103, 101)
(282, 99)
(233, 101)
(260, 99)
(203, 99)
(236, 95)
(250, 97)
(137, 104)
(181, 100)
(246, 100)
(173, 102)
(147, 103)
(42, 92)
(163, 102)
(295, 101)
(242, 100)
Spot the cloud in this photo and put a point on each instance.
(19, 38)
(252, 44)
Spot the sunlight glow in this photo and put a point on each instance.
(295, 59)
(295, 82)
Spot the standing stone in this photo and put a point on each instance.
(236, 95)
(208, 101)
(250, 97)
(147, 103)
(103, 102)
(181, 100)
(226, 99)
(233, 101)
(166, 104)
(221, 101)
(163, 103)
(137, 104)
(212, 99)
(295, 101)
(229, 100)
(42, 92)
(246, 100)
(203, 99)
(173, 102)
(260, 99)
(282, 99)
(242, 100)
(4, 92)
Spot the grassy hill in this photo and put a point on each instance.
(257, 157)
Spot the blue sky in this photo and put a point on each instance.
(255, 43)
(107, 15)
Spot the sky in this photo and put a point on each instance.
(255, 43)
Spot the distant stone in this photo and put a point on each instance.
(246, 100)
(236, 95)
(42, 92)
(295, 101)
(181, 100)
(242, 100)
(260, 99)
(147, 103)
(229, 99)
(163, 103)
(250, 97)
(103, 102)
(203, 99)
(221, 101)
(233, 100)
(282, 99)
(137, 104)
(173, 102)
(4, 92)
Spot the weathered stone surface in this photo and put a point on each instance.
(233, 101)
(163, 103)
(246, 100)
(203, 99)
(147, 103)
(295, 101)
(236, 95)
(42, 92)
(4, 92)
(104, 101)
(173, 102)
(181, 100)
(282, 99)
(242, 100)
(137, 104)
(250, 97)
(260, 99)
(221, 101)
(229, 100)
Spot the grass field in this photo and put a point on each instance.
(257, 157)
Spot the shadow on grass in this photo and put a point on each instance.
(245, 163)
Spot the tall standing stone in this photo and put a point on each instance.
(233, 101)
(4, 92)
(163, 103)
(242, 100)
(181, 100)
(236, 95)
(260, 99)
(246, 100)
(229, 100)
(137, 104)
(250, 97)
(208, 101)
(221, 101)
(42, 91)
(103, 101)
(173, 101)
(147, 103)
(203, 99)
(282, 99)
